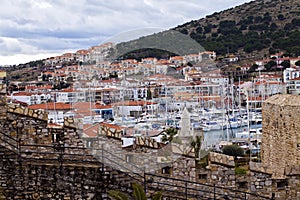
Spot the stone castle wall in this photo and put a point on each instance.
(281, 135)
(45, 170)
(37, 181)
(56, 160)
(36, 161)
(3, 100)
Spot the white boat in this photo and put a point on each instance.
(243, 121)
(233, 123)
(256, 119)
(211, 126)
(254, 133)
(125, 120)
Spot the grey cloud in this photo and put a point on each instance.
(38, 25)
(10, 46)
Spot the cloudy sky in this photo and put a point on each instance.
(35, 29)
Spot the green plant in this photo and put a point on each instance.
(157, 196)
(233, 150)
(117, 195)
(138, 194)
(170, 134)
(203, 162)
(2, 197)
(196, 144)
(240, 171)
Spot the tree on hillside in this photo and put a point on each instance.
(270, 65)
(253, 68)
(296, 22)
(280, 17)
(285, 64)
(273, 27)
(149, 94)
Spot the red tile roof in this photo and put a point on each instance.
(149, 58)
(88, 105)
(23, 94)
(256, 98)
(31, 87)
(106, 89)
(133, 103)
(295, 79)
(82, 52)
(111, 126)
(51, 106)
(97, 106)
(67, 90)
(90, 130)
(52, 125)
(177, 58)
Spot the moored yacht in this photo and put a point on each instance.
(211, 125)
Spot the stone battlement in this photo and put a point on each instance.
(221, 159)
(37, 114)
(281, 136)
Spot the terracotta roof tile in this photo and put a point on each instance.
(111, 126)
(90, 130)
(51, 106)
(295, 79)
(23, 94)
(133, 103)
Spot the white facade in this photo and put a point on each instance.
(56, 116)
(30, 98)
(126, 110)
(269, 88)
(293, 86)
(100, 53)
(70, 96)
(290, 73)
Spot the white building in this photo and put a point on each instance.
(69, 96)
(130, 108)
(266, 89)
(30, 98)
(99, 53)
(56, 111)
(293, 86)
(290, 73)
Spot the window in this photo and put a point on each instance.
(282, 184)
(55, 137)
(166, 170)
(242, 185)
(202, 176)
(89, 144)
(129, 158)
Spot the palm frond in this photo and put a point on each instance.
(138, 192)
(157, 196)
(117, 195)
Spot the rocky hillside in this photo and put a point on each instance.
(260, 27)
(253, 30)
